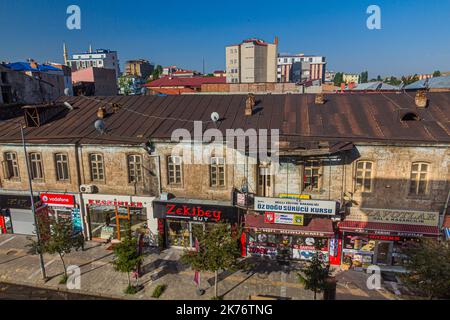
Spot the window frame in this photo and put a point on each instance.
(364, 170)
(57, 162)
(172, 166)
(319, 175)
(418, 180)
(14, 166)
(96, 162)
(139, 175)
(217, 167)
(39, 165)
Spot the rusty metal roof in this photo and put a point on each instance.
(346, 118)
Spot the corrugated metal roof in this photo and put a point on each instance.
(377, 85)
(346, 118)
(431, 83)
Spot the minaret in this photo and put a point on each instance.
(66, 57)
(90, 48)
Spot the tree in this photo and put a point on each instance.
(338, 78)
(379, 78)
(314, 276)
(437, 73)
(364, 77)
(428, 266)
(157, 72)
(127, 257)
(218, 249)
(56, 238)
(125, 84)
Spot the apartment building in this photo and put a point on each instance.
(251, 61)
(100, 58)
(139, 68)
(350, 78)
(300, 68)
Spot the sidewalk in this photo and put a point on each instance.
(98, 277)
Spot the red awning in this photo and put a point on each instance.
(388, 228)
(318, 227)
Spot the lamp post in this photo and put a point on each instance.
(33, 209)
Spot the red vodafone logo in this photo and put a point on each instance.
(65, 200)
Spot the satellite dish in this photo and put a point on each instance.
(100, 126)
(215, 116)
(68, 105)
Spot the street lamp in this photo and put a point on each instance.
(33, 209)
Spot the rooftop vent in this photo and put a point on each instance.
(249, 104)
(410, 116)
(320, 99)
(421, 99)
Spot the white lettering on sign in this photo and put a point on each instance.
(319, 207)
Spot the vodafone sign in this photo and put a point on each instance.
(58, 200)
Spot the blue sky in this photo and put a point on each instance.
(415, 34)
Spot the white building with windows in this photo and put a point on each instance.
(300, 67)
(100, 58)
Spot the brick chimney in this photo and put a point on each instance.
(320, 99)
(249, 104)
(421, 99)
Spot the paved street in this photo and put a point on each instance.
(98, 277)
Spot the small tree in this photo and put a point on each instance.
(127, 258)
(315, 275)
(218, 250)
(428, 266)
(437, 73)
(56, 238)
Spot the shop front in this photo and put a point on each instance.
(16, 215)
(64, 206)
(179, 219)
(109, 216)
(377, 236)
(282, 241)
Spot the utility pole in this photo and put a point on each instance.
(33, 208)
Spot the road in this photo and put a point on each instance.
(20, 292)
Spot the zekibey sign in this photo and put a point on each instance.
(58, 200)
(303, 206)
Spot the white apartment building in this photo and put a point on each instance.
(300, 67)
(252, 61)
(100, 58)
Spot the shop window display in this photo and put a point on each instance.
(178, 233)
(103, 221)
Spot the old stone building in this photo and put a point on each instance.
(359, 175)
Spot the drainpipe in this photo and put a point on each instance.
(83, 212)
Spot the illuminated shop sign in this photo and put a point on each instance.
(195, 212)
(303, 206)
(58, 200)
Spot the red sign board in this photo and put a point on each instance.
(58, 200)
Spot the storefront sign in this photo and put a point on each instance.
(195, 212)
(114, 203)
(293, 232)
(283, 218)
(16, 201)
(421, 218)
(58, 200)
(319, 207)
(76, 221)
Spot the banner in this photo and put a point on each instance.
(76, 221)
(283, 218)
(319, 207)
(420, 218)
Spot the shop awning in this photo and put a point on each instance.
(316, 227)
(388, 228)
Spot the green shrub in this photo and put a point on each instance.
(131, 290)
(159, 290)
(63, 279)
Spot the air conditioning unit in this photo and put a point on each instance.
(87, 188)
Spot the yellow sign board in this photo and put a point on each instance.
(421, 218)
(294, 196)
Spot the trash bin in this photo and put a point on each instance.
(330, 290)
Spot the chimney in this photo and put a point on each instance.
(320, 99)
(249, 104)
(33, 64)
(101, 112)
(275, 41)
(421, 99)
